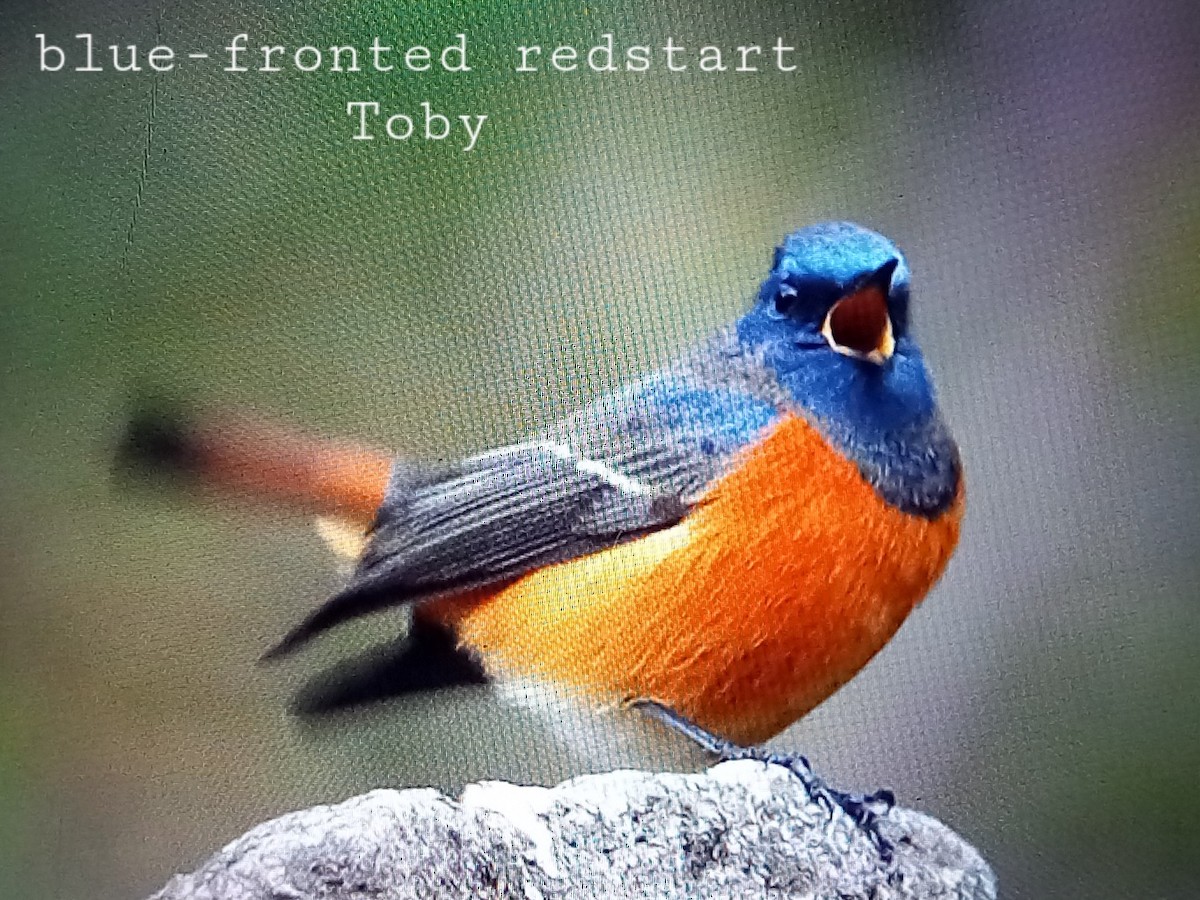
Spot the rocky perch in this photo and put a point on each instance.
(740, 829)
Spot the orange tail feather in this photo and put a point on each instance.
(265, 461)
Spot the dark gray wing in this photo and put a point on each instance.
(511, 510)
(495, 517)
(629, 464)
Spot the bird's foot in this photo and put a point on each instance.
(865, 810)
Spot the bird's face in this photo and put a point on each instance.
(836, 288)
(831, 321)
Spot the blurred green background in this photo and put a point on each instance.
(218, 237)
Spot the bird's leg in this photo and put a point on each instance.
(863, 809)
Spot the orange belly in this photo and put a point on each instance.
(782, 584)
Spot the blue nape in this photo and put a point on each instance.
(717, 422)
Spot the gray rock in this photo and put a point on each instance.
(740, 829)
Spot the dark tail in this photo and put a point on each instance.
(427, 658)
(157, 441)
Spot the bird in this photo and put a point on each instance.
(722, 543)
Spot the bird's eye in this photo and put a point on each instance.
(804, 298)
(785, 300)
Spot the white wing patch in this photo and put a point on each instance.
(595, 467)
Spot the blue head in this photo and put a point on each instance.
(831, 320)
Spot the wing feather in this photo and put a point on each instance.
(627, 465)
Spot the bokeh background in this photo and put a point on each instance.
(219, 238)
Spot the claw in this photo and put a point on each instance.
(862, 809)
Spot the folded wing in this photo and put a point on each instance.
(491, 518)
(629, 464)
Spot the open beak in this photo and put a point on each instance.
(858, 325)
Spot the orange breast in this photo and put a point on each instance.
(773, 593)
